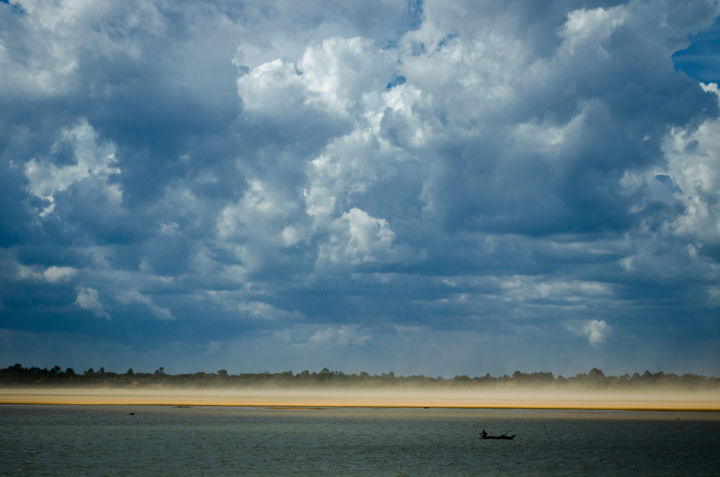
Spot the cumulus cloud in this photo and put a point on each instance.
(358, 238)
(89, 299)
(339, 71)
(89, 161)
(259, 211)
(597, 332)
(58, 274)
(51, 274)
(489, 169)
(693, 175)
(590, 29)
(273, 87)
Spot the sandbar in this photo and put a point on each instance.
(347, 397)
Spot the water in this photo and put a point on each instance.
(108, 440)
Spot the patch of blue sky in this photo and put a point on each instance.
(701, 59)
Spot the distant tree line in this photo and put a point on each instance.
(17, 375)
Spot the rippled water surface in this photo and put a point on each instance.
(109, 440)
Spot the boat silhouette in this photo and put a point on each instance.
(485, 435)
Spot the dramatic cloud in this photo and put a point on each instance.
(439, 187)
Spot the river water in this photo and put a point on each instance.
(163, 440)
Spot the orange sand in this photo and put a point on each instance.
(445, 398)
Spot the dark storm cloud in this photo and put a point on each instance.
(360, 185)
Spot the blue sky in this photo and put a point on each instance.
(427, 187)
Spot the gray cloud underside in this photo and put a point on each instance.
(424, 187)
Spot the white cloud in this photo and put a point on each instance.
(264, 220)
(531, 288)
(134, 296)
(213, 347)
(53, 36)
(340, 335)
(272, 88)
(51, 274)
(291, 235)
(591, 28)
(339, 71)
(358, 238)
(267, 311)
(88, 299)
(92, 161)
(690, 177)
(523, 156)
(262, 211)
(58, 274)
(628, 263)
(597, 332)
(331, 75)
(693, 156)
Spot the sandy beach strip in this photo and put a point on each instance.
(480, 399)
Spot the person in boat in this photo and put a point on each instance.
(483, 434)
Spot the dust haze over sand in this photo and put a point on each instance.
(498, 398)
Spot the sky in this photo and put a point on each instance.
(425, 187)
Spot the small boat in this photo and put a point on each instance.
(485, 435)
(503, 436)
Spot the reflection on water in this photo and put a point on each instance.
(100, 440)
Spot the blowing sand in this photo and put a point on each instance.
(438, 398)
